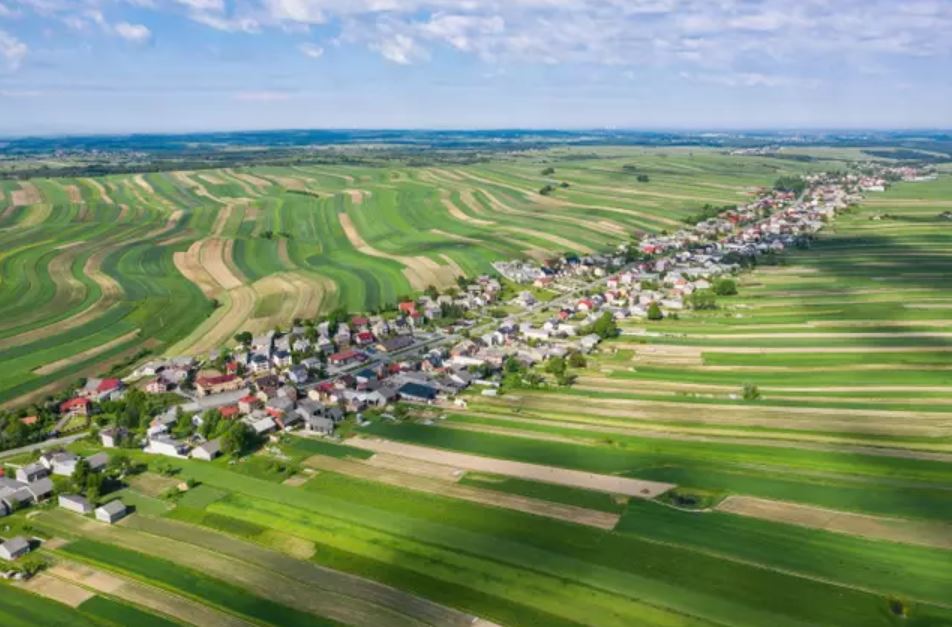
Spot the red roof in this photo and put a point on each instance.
(228, 411)
(365, 336)
(344, 355)
(108, 384)
(29, 420)
(218, 380)
(359, 321)
(251, 398)
(408, 307)
(74, 402)
(231, 366)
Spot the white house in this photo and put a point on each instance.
(14, 548)
(207, 451)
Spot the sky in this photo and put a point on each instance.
(119, 66)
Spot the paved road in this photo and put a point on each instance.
(29, 448)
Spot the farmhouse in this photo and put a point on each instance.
(111, 511)
(417, 392)
(207, 451)
(14, 548)
(110, 437)
(78, 406)
(75, 503)
(217, 384)
(32, 472)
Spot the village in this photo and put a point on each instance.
(312, 377)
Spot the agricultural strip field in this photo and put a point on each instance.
(95, 271)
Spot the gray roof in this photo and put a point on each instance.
(16, 544)
(98, 460)
(212, 446)
(40, 486)
(113, 507)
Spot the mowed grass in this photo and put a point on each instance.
(517, 568)
(190, 583)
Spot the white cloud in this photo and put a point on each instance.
(12, 50)
(399, 48)
(136, 33)
(311, 50)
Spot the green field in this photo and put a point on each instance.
(93, 271)
(822, 499)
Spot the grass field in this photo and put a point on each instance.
(825, 501)
(94, 270)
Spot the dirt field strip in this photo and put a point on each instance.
(420, 271)
(560, 242)
(157, 599)
(535, 472)
(102, 191)
(357, 196)
(213, 257)
(27, 195)
(190, 265)
(458, 214)
(414, 481)
(257, 182)
(73, 193)
(935, 535)
(237, 306)
(54, 588)
(79, 358)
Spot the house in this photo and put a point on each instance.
(319, 424)
(229, 412)
(78, 406)
(263, 425)
(111, 511)
(346, 357)
(100, 389)
(165, 445)
(32, 472)
(417, 392)
(282, 359)
(157, 385)
(64, 464)
(259, 363)
(39, 489)
(298, 374)
(207, 451)
(248, 403)
(98, 461)
(396, 343)
(14, 548)
(217, 384)
(75, 503)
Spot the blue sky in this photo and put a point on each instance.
(81, 66)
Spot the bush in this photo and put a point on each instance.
(751, 392)
(654, 312)
(725, 287)
(548, 171)
(703, 300)
(643, 178)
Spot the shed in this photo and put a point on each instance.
(75, 503)
(14, 548)
(111, 511)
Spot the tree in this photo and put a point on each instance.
(751, 392)
(183, 424)
(556, 366)
(80, 476)
(643, 178)
(703, 300)
(654, 312)
(547, 189)
(577, 360)
(431, 291)
(238, 440)
(565, 379)
(605, 327)
(548, 171)
(725, 287)
(94, 487)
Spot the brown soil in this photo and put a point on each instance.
(937, 535)
(534, 472)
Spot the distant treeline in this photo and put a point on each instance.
(906, 154)
(707, 212)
